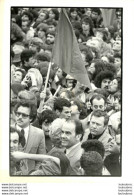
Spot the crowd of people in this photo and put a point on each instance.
(63, 127)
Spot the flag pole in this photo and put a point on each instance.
(48, 73)
(58, 89)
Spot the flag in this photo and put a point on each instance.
(66, 53)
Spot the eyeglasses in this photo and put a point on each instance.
(22, 114)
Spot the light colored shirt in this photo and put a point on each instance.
(26, 130)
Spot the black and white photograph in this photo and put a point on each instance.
(66, 75)
(65, 100)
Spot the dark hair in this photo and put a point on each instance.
(51, 32)
(43, 27)
(94, 145)
(22, 71)
(92, 163)
(17, 32)
(56, 12)
(117, 55)
(102, 66)
(64, 162)
(118, 95)
(29, 14)
(14, 130)
(100, 113)
(96, 10)
(27, 104)
(81, 107)
(12, 53)
(26, 54)
(103, 75)
(51, 23)
(78, 127)
(60, 103)
(43, 57)
(89, 21)
(47, 116)
(89, 55)
(98, 97)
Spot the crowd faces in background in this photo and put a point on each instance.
(64, 127)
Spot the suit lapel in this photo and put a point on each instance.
(73, 151)
(30, 139)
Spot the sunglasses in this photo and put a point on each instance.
(22, 114)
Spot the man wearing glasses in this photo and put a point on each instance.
(32, 139)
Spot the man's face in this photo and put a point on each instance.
(17, 77)
(41, 34)
(68, 136)
(51, 14)
(117, 45)
(85, 26)
(51, 27)
(96, 125)
(25, 18)
(33, 47)
(113, 87)
(14, 141)
(23, 116)
(46, 128)
(31, 62)
(94, 15)
(59, 73)
(91, 68)
(50, 39)
(24, 26)
(41, 17)
(105, 83)
(66, 113)
(73, 14)
(98, 104)
(117, 63)
(116, 104)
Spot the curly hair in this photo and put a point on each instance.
(92, 163)
(47, 116)
(26, 54)
(94, 145)
(60, 103)
(102, 75)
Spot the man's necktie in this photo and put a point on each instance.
(22, 138)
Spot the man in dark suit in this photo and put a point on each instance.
(32, 139)
(71, 135)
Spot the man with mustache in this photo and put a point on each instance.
(32, 139)
(103, 79)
